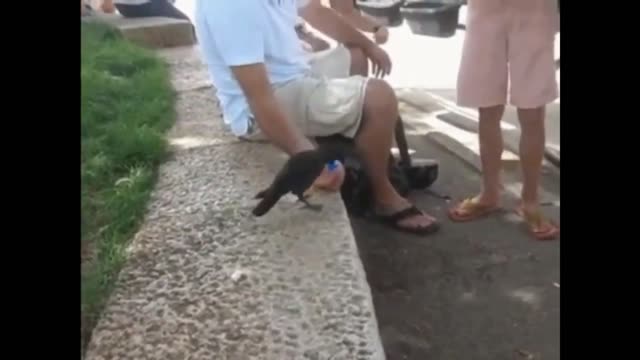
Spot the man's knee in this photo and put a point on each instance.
(380, 99)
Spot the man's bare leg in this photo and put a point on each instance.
(374, 143)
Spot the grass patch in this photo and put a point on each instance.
(127, 105)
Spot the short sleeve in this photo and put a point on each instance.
(236, 27)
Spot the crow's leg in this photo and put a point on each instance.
(314, 207)
(309, 193)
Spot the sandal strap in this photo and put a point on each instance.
(538, 224)
(468, 205)
(402, 214)
(535, 219)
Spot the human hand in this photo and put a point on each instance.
(381, 35)
(331, 180)
(380, 60)
(107, 7)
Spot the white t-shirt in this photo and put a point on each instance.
(242, 32)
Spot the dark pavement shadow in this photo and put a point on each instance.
(482, 290)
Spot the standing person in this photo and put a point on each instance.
(509, 42)
(144, 8)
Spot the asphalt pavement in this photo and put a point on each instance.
(483, 290)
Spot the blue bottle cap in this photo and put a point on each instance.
(332, 165)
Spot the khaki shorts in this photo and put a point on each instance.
(332, 63)
(325, 102)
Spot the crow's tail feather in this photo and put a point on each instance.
(261, 194)
(267, 202)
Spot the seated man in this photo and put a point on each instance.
(332, 62)
(265, 86)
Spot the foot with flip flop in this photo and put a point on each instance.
(531, 152)
(478, 207)
(391, 210)
(398, 213)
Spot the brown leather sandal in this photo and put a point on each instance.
(392, 220)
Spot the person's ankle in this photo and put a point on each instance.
(530, 205)
(389, 199)
(488, 197)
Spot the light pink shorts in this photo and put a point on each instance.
(509, 49)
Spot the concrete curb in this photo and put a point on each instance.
(152, 32)
(206, 280)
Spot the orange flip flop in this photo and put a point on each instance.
(470, 209)
(541, 228)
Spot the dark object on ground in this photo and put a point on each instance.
(356, 190)
(298, 174)
(384, 10)
(431, 17)
(405, 174)
(154, 8)
(419, 173)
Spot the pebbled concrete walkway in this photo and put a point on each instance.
(206, 280)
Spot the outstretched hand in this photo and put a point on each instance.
(380, 60)
(330, 180)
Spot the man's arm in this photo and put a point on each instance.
(282, 132)
(329, 22)
(333, 25)
(349, 11)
